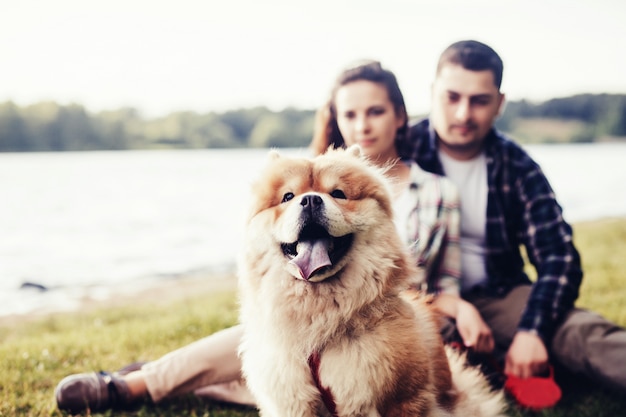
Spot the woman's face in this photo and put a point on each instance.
(366, 116)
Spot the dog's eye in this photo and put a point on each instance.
(338, 194)
(287, 197)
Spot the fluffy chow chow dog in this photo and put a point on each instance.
(329, 329)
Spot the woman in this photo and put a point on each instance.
(366, 107)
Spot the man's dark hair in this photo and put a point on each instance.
(474, 56)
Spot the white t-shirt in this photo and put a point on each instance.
(470, 177)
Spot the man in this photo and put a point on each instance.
(506, 201)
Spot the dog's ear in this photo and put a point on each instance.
(273, 154)
(354, 150)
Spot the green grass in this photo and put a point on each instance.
(36, 354)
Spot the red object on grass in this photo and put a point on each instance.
(535, 392)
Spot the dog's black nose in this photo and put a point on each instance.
(311, 203)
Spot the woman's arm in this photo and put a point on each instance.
(448, 302)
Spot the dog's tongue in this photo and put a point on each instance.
(312, 255)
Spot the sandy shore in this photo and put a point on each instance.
(158, 291)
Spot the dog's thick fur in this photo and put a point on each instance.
(321, 273)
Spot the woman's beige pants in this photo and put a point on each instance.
(208, 367)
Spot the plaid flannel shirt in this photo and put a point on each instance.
(433, 231)
(521, 210)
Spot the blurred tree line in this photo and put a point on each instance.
(48, 126)
(579, 118)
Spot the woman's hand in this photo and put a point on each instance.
(474, 331)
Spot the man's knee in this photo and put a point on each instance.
(586, 342)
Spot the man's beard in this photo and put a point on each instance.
(465, 148)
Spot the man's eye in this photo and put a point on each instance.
(481, 101)
(338, 194)
(287, 197)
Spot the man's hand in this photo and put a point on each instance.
(527, 356)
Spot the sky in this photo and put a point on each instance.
(162, 56)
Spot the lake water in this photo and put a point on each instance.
(83, 224)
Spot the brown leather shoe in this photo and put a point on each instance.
(95, 391)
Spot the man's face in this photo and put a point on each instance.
(465, 105)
